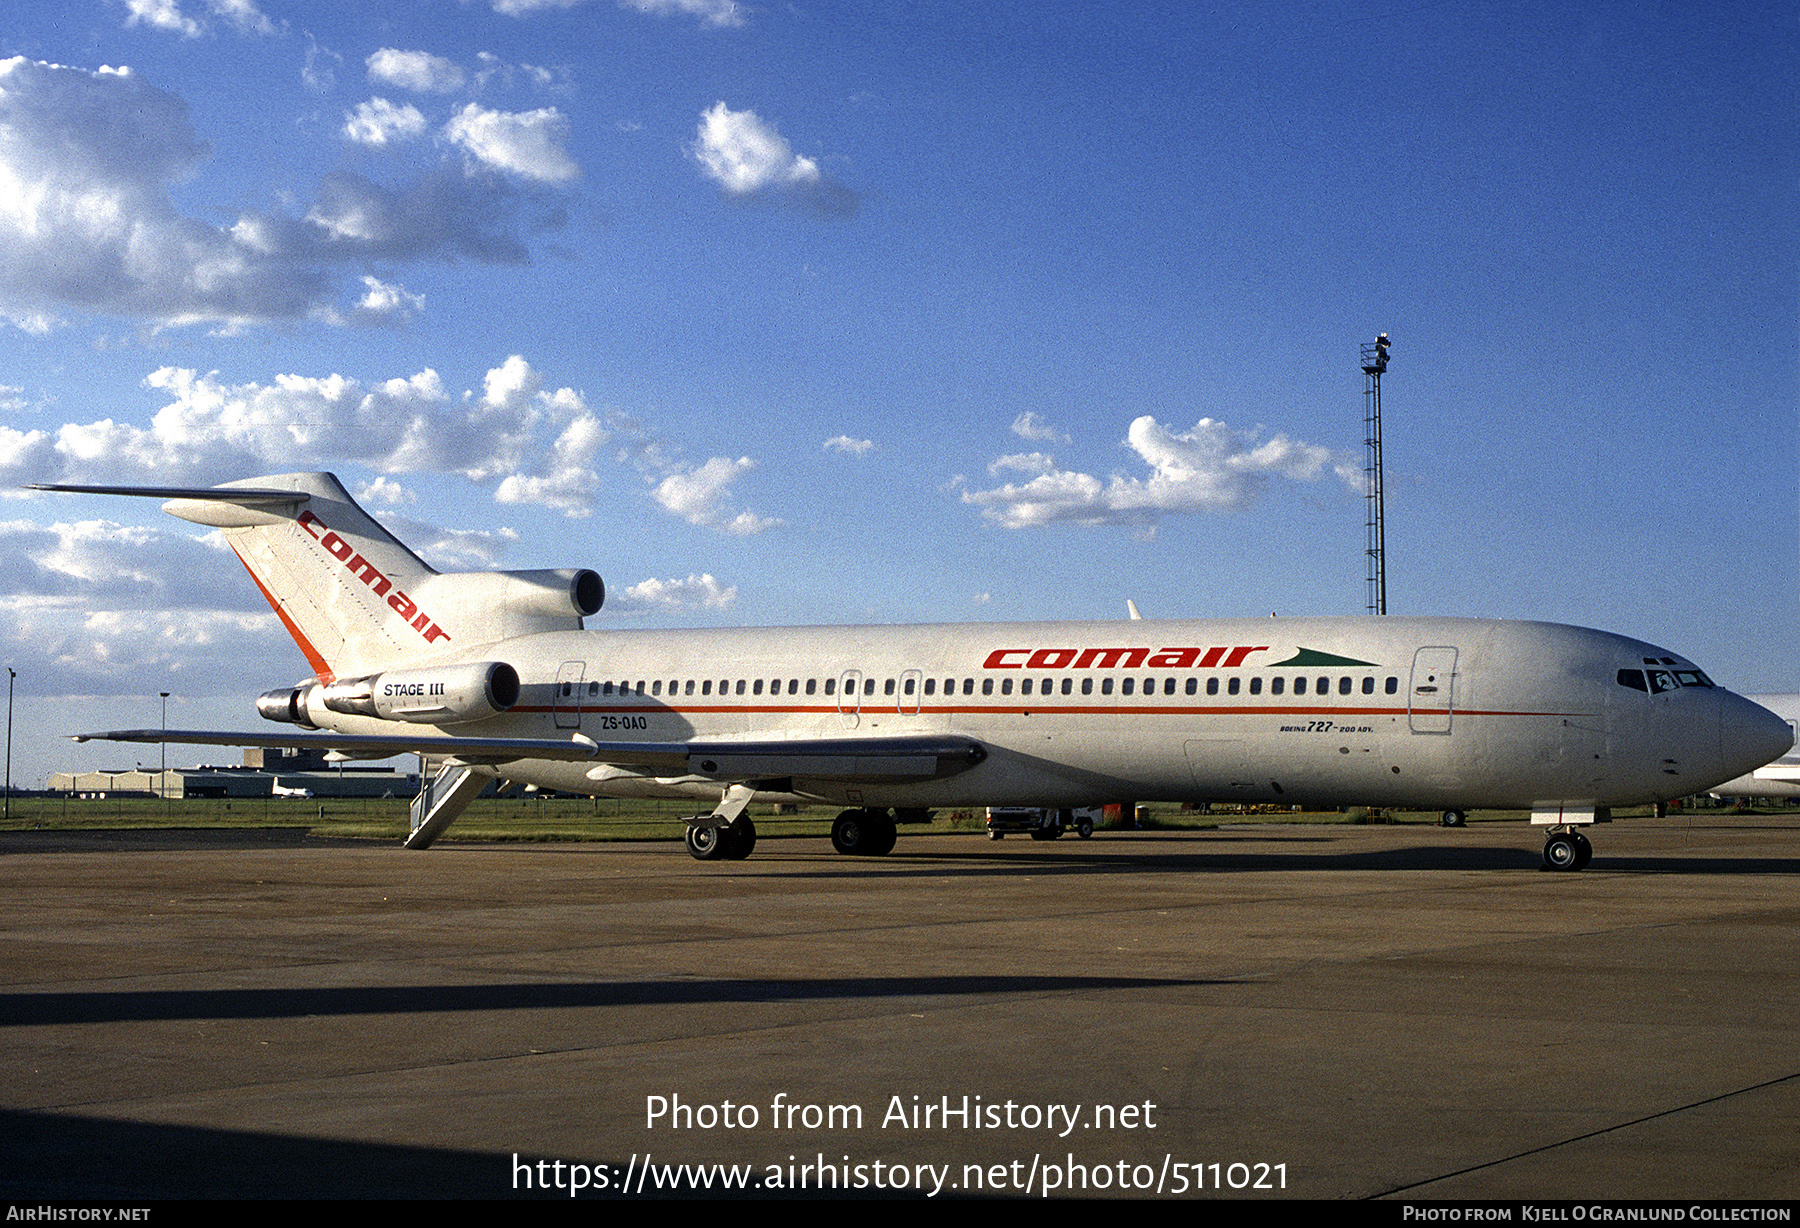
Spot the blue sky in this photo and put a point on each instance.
(833, 313)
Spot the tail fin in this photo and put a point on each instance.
(353, 597)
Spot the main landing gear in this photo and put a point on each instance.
(1567, 849)
(1455, 818)
(727, 834)
(863, 833)
(709, 838)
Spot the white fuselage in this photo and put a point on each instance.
(1420, 712)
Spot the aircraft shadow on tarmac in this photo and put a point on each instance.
(88, 1159)
(54, 1009)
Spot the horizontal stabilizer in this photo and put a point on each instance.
(213, 493)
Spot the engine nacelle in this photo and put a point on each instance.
(426, 695)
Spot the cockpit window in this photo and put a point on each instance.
(1658, 681)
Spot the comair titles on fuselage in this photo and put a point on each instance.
(1225, 657)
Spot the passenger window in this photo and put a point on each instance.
(831, 686)
(1231, 687)
(1106, 686)
(740, 686)
(1368, 686)
(756, 687)
(656, 687)
(1087, 686)
(812, 686)
(1169, 686)
(1024, 686)
(968, 686)
(1277, 685)
(907, 687)
(1068, 685)
(1393, 686)
(1212, 686)
(869, 686)
(1006, 686)
(931, 686)
(987, 686)
(1193, 686)
(1343, 686)
(1125, 687)
(1299, 686)
(1256, 686)
(1324, 686)
(688, 687)
(887, 688)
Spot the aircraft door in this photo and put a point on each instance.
(849, 698)
(1432, 697)
(567, 704)
(911, 682)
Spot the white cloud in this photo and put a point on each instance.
(532, 444)
(419, 71)
(1210, 468)
(719, 13)
(849, 446)
(699, 495)
(701, 591)
(161, 15)
(210, 431)
(710, 12)
(526, 143)
(384, 490)
(387, 302)
(240, 15)
(748, 157)
(378, 123)
(1029, 426)
(1024, 462)
(243, 16)
(453, 549)
(87, 223)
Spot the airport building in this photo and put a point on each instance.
(265, 773)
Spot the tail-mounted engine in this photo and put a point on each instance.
(427, 695)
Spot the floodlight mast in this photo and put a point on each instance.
(1374, 362)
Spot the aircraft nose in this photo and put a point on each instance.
(1750, 735)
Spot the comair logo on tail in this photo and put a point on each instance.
(370, 575)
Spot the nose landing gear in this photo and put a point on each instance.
(1567, 849)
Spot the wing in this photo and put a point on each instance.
(925, 756)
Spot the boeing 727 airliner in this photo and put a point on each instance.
(493, 675)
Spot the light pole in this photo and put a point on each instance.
(11, 673)
(162, 775)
